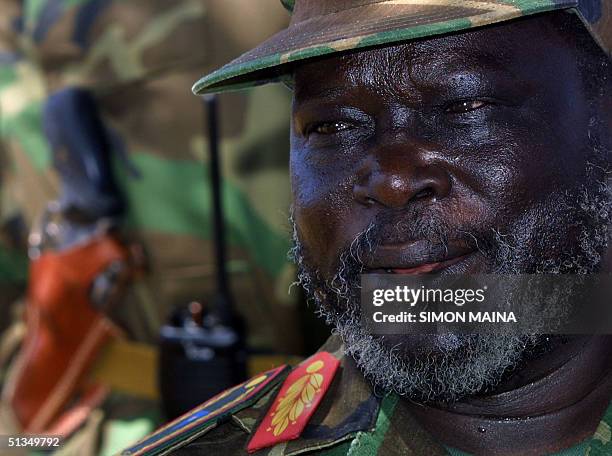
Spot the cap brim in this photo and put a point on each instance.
(375, 24)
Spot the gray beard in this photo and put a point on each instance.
(466, 364)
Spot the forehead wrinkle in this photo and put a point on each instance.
(405, 69)
(454, 55)
(401, 70)
(318, 93)
(385, 70)
(378, 70)
(314, 80)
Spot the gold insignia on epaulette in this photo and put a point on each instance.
(298, 398)
(299, 395)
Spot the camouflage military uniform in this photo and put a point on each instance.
(350, 420)
(120, 51)
(137, 58)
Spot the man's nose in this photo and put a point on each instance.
(399, 175)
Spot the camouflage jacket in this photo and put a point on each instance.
(138, 59)
(350, 420)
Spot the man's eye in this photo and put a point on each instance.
(328, 128)
(461, 107)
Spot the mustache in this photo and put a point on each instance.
(396, 228)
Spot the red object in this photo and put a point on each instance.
(64, 331)
(296, 401)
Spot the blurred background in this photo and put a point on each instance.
(143, 230)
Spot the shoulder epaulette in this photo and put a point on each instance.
(296, 401)
(206, 416)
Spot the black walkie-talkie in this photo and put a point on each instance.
(202, 349)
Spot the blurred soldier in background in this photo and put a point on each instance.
(135, 58)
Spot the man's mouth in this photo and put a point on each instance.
(418, 257)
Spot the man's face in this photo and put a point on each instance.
(471, 153)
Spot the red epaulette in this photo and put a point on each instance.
(297, 400)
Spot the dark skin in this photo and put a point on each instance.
(476, 137)
(469, 131)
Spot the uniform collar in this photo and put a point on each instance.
(349, 406)
(350, 410)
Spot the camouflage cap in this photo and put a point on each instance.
(321, 27)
